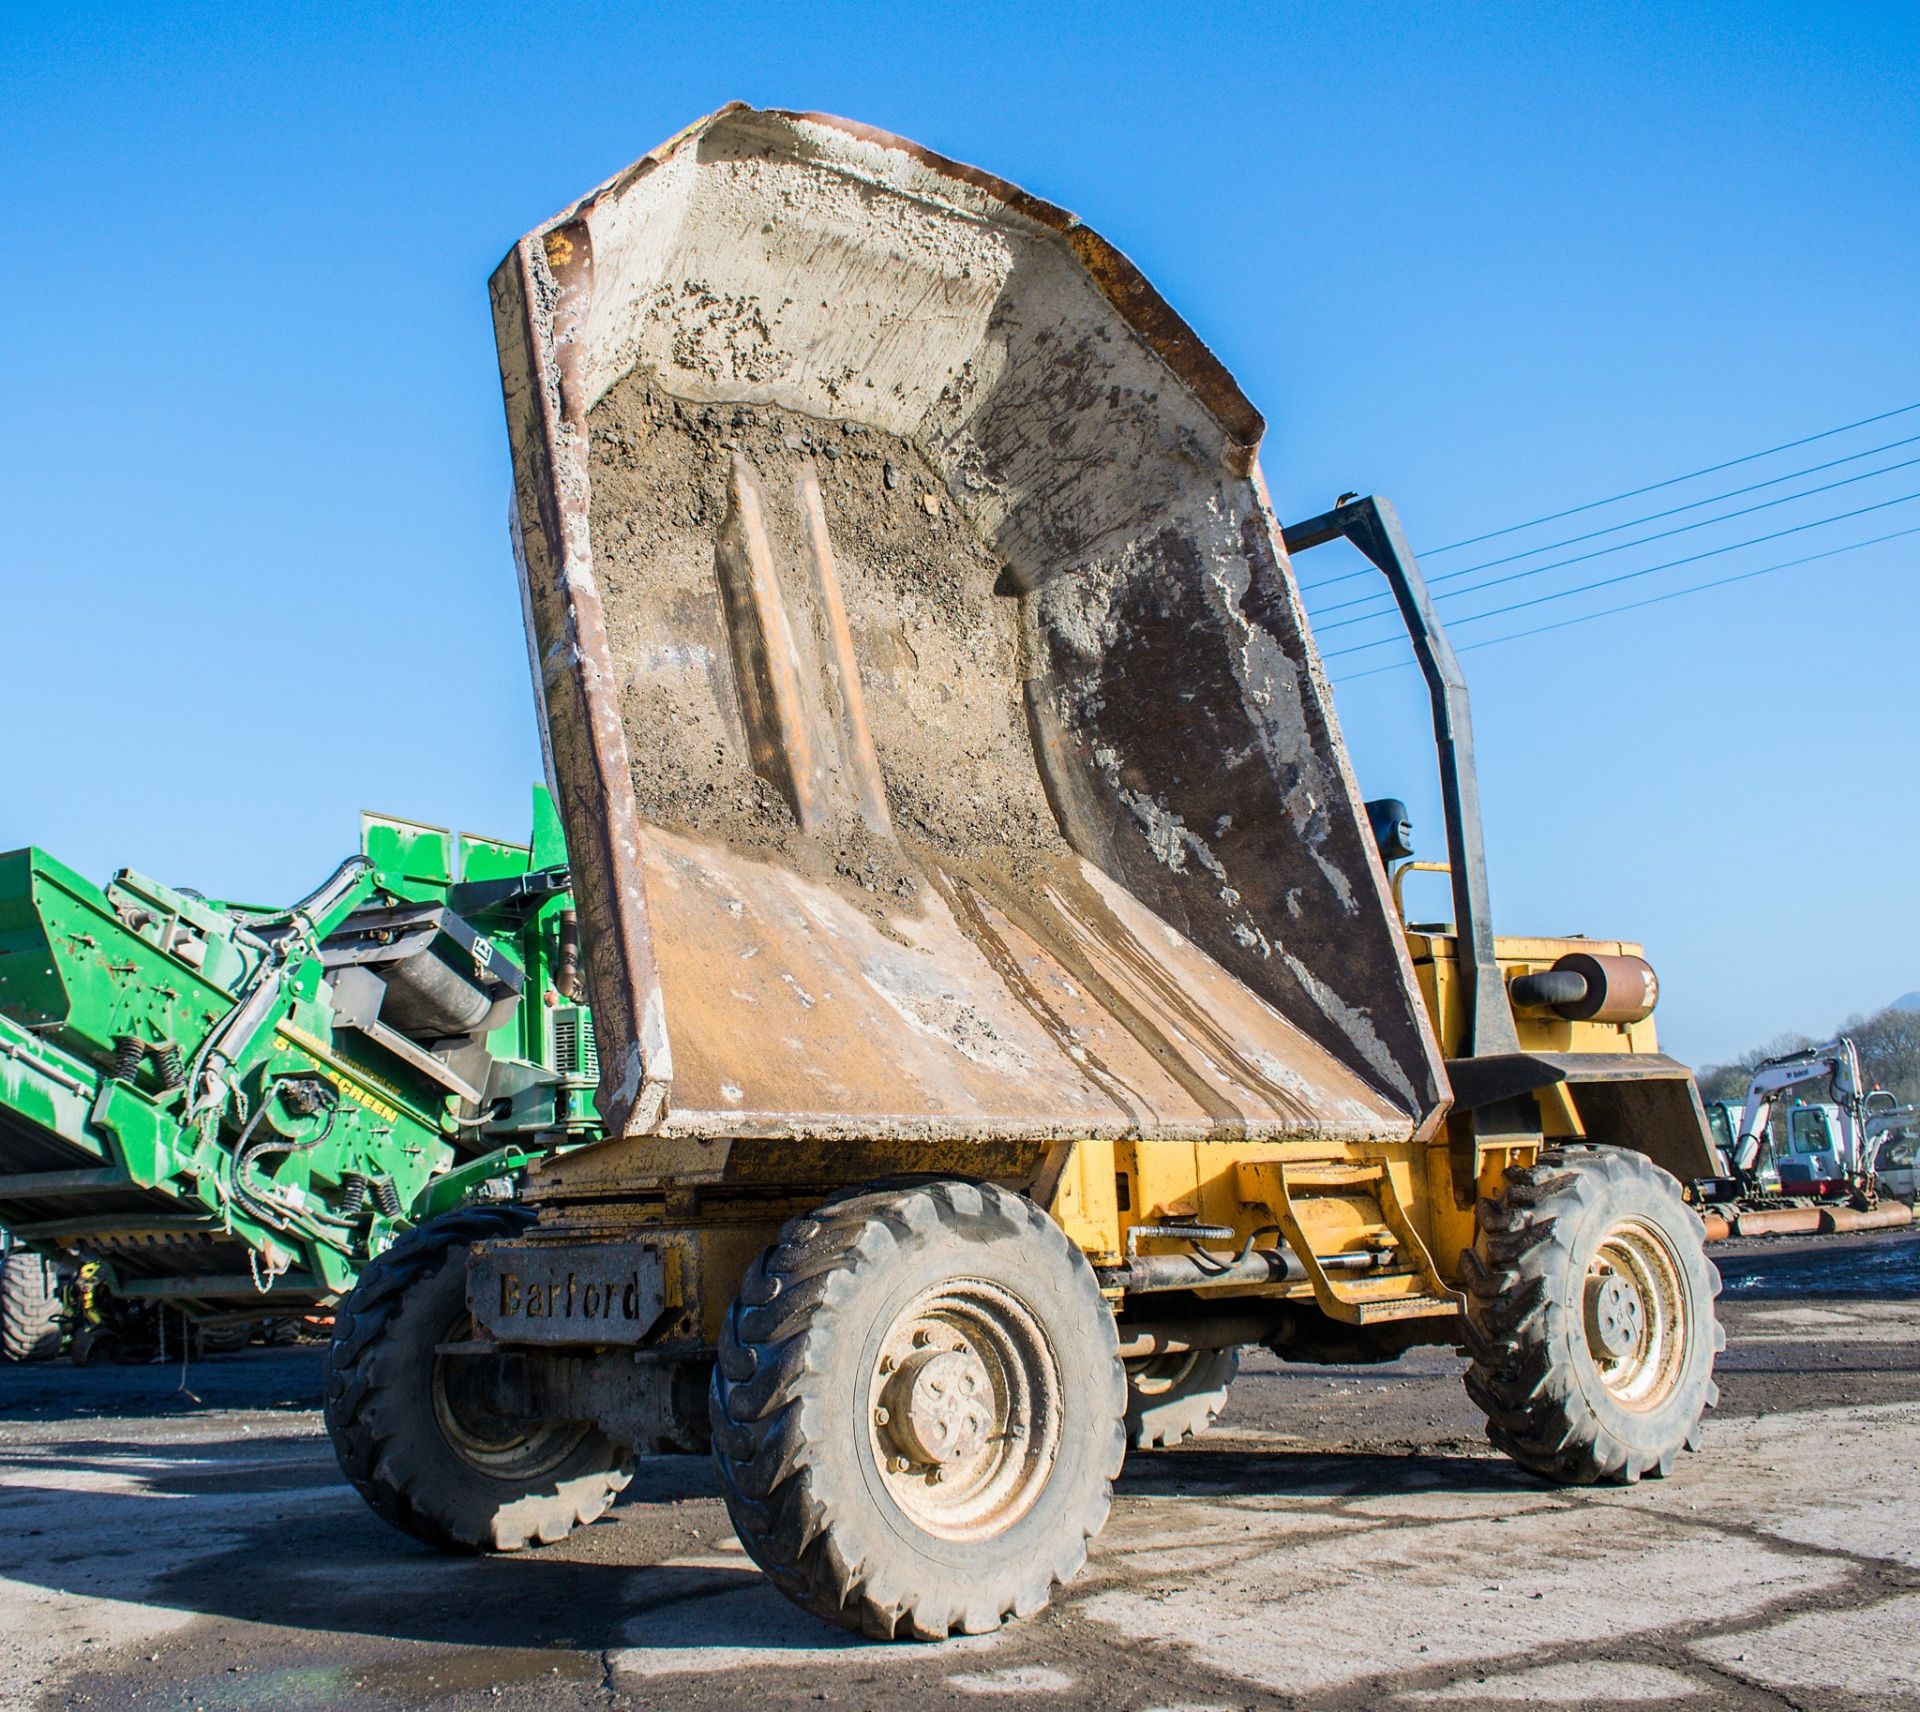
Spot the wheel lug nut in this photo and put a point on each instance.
(882, 1415)
(899, 1465)
(922, 1338)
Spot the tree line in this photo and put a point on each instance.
(1888, 1042)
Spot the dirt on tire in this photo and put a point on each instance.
(1529, 1284)
(381, 1412)
(789, 1396)
(29, 1307)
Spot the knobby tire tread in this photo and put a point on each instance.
(759, 1446)
(360, 1322)
(1519, 1375)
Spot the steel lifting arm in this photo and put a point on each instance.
(1768, 1084)
(1373, 526)
(246, 1033)
(1838, 1064)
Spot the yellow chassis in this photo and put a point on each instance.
(711, 1206)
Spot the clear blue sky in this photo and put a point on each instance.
(1490, 261)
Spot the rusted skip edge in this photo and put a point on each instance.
(964, 1129)
(546, 409)
(1159, 326)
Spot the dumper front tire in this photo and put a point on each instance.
(918, 1410)
(411, 1426)
(1590, 1318)
(29, 1307)
(1171, 1398)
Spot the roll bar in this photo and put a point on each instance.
(1373, 526)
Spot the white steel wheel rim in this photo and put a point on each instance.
(964, 1410)
(500, 1449)
(1633, 1312)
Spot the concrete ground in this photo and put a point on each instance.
(1344, 1539)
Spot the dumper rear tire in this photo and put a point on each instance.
(1590, 1318)
(918, 1410)
(1172, 1398)
(29, 1307)
(227, 1340)
(413, 1433)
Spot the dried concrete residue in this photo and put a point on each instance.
(720, 336)
(1168, 836)
(1272, 682)
(918, 992)
(937, 647)
(1358, 1026)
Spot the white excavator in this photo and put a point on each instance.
(1830, 1145)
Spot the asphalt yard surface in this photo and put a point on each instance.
(1345, 1538)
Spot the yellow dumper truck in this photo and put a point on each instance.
(1003, 1013)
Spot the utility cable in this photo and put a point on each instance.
(1630, 576)
(1604, 552)
(1634, 522)
(1649, 600)
(1671, 481)
(1692, 505)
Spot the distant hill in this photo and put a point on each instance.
(1906, 1002)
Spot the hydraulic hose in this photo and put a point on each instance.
(317, 902)
(317, 1096)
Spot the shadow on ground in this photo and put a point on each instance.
(332, 1567)
(246, 1380)
(1212, 1469)
(278, 1538)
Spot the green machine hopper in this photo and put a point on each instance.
(230, 1110)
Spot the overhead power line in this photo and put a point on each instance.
(1634, 522)
(1630, 576)
(1618, 547)
(1691, 505)
(1636, 605)
(1671, 481)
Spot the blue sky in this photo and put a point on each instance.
(1490, 261)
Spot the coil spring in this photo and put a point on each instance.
(173, 1069)
(353, 1194)
(386, 1197)
(128, 1055)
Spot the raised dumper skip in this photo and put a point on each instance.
(1003, 1012)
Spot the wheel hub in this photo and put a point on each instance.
(1634, 1309)
(940, 1406)
(474, 1404)
(1616, 1317)
(965, 1412)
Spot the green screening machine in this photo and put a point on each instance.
(228, 1110)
